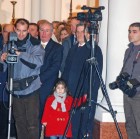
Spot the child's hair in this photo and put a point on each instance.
(61, 81)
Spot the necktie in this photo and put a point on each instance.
(75, 40)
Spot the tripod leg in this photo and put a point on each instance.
(9, 117)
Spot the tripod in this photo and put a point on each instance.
(94, 62)
(10, 70)
(11, 60)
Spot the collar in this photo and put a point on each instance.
(81, 45)
(44, 44)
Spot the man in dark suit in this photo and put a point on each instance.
(77, 76)
(52, 61)
(4, 95)
(69, 41)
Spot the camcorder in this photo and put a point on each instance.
(90, 16)
(125, 84)
(12, 57)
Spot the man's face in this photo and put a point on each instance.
(33, 30)
(134, 35)
(45, 32)
(80, 34)
(21, 30)
(6, 30)
(73, 24)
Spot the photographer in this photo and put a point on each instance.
(26, 81)
(132, 67)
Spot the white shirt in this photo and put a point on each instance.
(44, 44)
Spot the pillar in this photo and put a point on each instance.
(47, 10)
(117, 17)
(28, 11)
(58, 6)
(35, 10)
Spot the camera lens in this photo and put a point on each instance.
(113, 85)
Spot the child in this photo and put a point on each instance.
(57, 110)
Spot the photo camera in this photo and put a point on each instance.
(125, 84)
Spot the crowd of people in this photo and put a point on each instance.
(51, 80)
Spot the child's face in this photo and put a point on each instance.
(60, 89)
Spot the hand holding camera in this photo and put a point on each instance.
(125, 84)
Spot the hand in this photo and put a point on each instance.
(85, 96)
(17, 53)
(44, 124)
(4, 56)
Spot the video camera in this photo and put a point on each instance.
(125, 84)
(90, 16)
(12, 57)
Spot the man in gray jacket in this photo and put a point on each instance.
(132, 96)
(26, 81)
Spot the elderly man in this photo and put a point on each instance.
(52, 61)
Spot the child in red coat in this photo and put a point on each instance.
(57, 111)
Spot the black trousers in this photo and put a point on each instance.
(4, 111)
(26, 114)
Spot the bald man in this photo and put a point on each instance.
(7, 28)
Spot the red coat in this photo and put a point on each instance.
(56, 119)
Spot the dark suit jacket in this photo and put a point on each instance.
(50, 69)
(76, 70)
(67, 44)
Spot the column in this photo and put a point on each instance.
(27, 10)
(20, 8)
(58, 6)
(113, 40)
(47, 10)
(35, 10)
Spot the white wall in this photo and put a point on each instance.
(33, 10)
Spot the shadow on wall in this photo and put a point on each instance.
(3, 13)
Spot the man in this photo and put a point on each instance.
(34, 30)
(26, 81)
(4, 99)
(70, 41)
(1, 38)
(7, 28)
(52, 61)
(132, 67)
(77, 76)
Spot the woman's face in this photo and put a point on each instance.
(64, 34)
(60, 89)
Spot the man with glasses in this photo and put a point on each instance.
(26, 81)
(52, 61)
